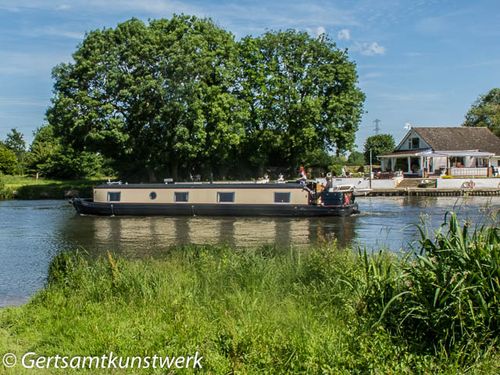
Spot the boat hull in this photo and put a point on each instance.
(88, 207)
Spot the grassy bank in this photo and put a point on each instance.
(24, 187)
(277, 312)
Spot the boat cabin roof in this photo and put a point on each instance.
(203, 185)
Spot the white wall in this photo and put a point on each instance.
(439, 162)
(458, 183)
(362, 183)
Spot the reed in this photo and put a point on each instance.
(446, 297)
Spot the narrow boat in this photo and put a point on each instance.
(218, 199)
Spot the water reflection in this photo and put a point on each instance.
(32, 232)
(152, 236)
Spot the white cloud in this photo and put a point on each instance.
(411, 97)
(413, 54)
(30, 64)
(28, 102)
(320, 31)
(63, 7)
(60, 32)
(316, 32)
(369, 49)
(344, 34)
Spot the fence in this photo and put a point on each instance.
(469, 172)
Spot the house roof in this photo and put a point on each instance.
(460, 138)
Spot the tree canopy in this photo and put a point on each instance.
(49, 157)
(378, 144)
(356, 158)
(15, 142)
(179, 96)
(485, 112)
(8, 160)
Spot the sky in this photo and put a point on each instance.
(422, 62)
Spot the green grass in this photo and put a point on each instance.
(262, 311)
(24, 187)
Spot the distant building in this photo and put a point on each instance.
(456, 151)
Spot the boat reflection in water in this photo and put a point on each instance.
(152, 236)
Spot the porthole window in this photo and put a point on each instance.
(152, 195)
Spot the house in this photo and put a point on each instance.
(455, 151)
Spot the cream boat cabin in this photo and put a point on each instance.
(227, 199)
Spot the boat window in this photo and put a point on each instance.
(152, 195)
(114, 196)
(181, 196)
(281, 197)
(225, 197)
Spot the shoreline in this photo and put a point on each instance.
(435, 192)
(27, 188)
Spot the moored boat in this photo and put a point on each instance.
(218, 199)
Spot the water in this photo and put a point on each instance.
(32, 232)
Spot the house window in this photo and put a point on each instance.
(152, 195)
(114, 196)
(415, 142)
(181, 196)
(225, 197)
(457, 161)
(281, 197)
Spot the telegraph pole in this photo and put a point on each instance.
(371, 168)
(377, 127)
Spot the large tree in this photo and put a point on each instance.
(153, 97)
(485, 112)
(378, 144)
(177, 96)
(301, 95)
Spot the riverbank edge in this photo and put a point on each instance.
(23, 188)
(434, 192)
(264, 310)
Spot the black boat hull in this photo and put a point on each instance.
(88, 207)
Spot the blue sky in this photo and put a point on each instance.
(419, 61)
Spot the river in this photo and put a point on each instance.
(32, 232)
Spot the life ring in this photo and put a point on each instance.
(468, 185)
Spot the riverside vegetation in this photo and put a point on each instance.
(324, 310)
(23, 187)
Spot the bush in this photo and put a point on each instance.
(445, 298)
(356, 158)
(336, 169)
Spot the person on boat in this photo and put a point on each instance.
(329, 181)
(281, 179)
(302, 175)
